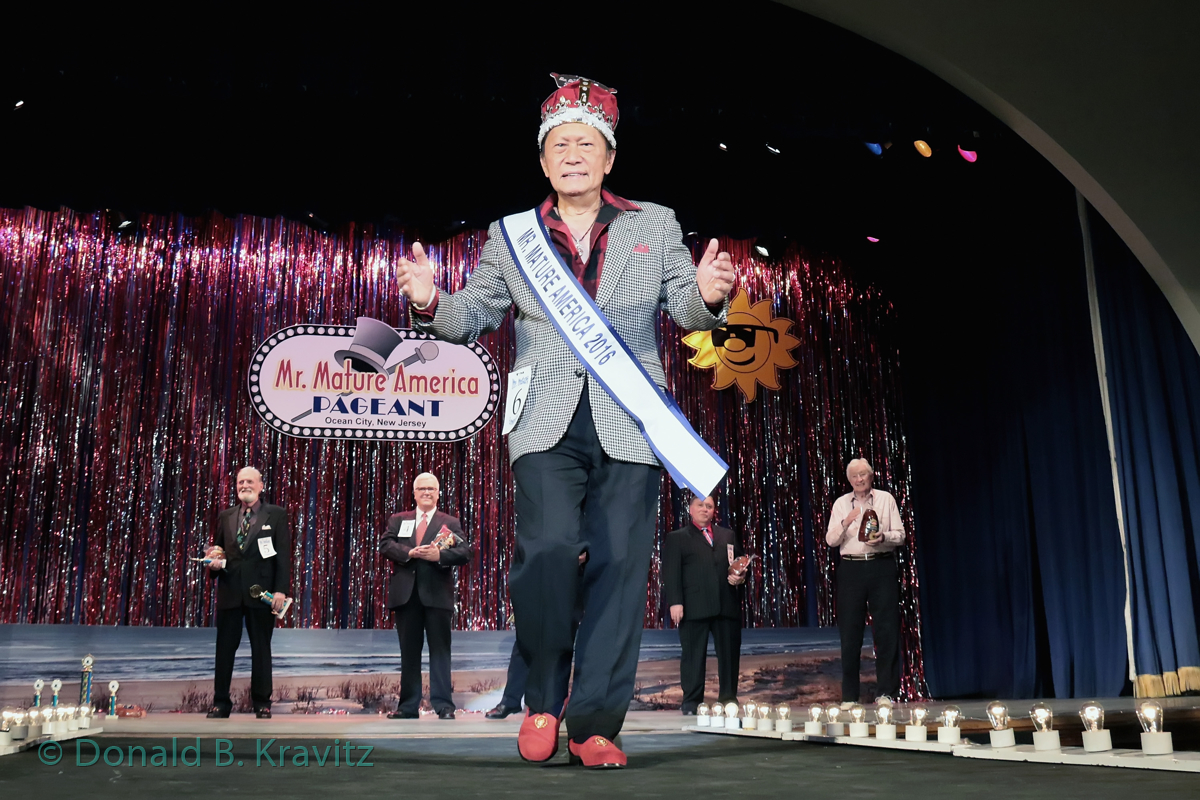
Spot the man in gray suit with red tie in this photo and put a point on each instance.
(423, 546)
(251, 546)
(586, 478)
(704, 598)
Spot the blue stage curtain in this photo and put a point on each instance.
(1154, 395)
(1022, 585)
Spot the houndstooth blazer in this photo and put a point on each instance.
(633, 285)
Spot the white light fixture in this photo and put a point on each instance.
(1000, 735)
(1095, 738)
(731, 716)
(1155, 740)
(723, 147)
(762, 251)
(813, 726)
(858, 722)
(749, 720)
(774, 150)
(18, 105)
(915, 730)
(783, 718)
(6, 725)
(85, 715)
(836, 727)
(764, 718)
(949, 733)
(885, 721)
(718, 716)
(1044, 735)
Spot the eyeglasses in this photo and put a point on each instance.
(426, 489)
(743, 333)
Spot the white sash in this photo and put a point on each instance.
(586, 330)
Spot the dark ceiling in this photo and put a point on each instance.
(428, 118)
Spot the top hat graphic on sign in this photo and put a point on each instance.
(373, 344)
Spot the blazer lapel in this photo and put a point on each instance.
(621, 240)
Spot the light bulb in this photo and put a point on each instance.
(919, 713)
(815, 712)
(857, 713)
(951, 715)
(998, 715)
(71, 711)
(48, 713)
(702, 710)
(748, 709)
(832, 712)
(6, 718)
(85, 710)
(61, 713)
(883, 714)
(718, 710)
(1150, 714)
(731, 709)
(1042, 716)
(1092, 714)
(764, 711)
(783, 712)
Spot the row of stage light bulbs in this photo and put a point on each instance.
(17, 724)
(753, 716)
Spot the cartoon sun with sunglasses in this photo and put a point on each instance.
(748, 350)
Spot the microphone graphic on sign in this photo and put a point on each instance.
(259, 593)
(425, 352)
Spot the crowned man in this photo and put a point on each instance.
(587, 272)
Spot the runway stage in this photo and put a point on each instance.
(467, 758)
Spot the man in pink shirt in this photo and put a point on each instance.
(867, 578)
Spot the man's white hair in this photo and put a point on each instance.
(858, 462)
(427, 475)
(257, 474)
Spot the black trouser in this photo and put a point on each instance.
(693, 642)
(518, 674)
(260, 624)
(569, 499)
(414, 621)
(872, 585)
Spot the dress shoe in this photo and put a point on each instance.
(217, 713)
(597, 753)
(538, 738)
(501, 711)
(446, 713)
(262, 713)
(403, 715)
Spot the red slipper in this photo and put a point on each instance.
(597, 753)
(538, 739)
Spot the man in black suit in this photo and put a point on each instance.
(704, 598)
(251, 546)
(424, 545)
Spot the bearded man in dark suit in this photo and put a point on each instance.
(704, 598)
(424, 545)
(251, 546)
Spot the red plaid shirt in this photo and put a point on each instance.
(588, 274)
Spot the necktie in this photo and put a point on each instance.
(243, 529)
(421, 526)
(708, 535)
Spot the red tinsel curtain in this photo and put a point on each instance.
(124, 418)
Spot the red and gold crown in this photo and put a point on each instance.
(580, 100)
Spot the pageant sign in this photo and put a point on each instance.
(372, 381)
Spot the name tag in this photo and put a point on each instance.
(729, 551)
(406, 528)
(266, 548)
(518, 388)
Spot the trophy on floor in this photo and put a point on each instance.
(38, 685)
(259, 593)
(112, 699)
(85, 680)
(870, 525)
(56, 687)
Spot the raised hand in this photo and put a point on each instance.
(714, 275)
(415, 278)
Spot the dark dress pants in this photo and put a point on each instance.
(518, 674)
(260, 624)
(414, 622)
(862, 586)
(569, 499)
(693, 643)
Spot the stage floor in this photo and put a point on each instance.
(462, 759)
